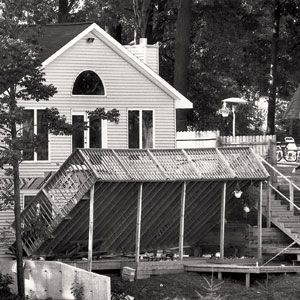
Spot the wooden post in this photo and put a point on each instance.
(269, 206)
(291, 188)
(91, 229)
(222, 227)
(259, 222)
(138, 223)
(181, 228)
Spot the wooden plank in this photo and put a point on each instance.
(222, 225)
(138, 223)
(269, 207)
(247, 280)
(182, 212)
(91, 229)
(259, 222)
(291, 190)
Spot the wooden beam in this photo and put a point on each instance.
(182, 212)
(269, 206)
(222, 228)
(91, 228)
(138, 223)
(259, 222)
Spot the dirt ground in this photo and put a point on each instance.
(193, 285)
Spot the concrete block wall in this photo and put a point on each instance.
(54, 280)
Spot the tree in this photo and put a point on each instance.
(22, 79)
(64, 9)
(182, 45)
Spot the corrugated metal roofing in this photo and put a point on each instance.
(174, 164)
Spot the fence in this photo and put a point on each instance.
(197, 139)
(263, 145)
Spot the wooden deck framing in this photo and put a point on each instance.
(146, 269)
(247, 270)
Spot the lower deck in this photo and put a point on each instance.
(145, 269)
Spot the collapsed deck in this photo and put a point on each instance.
(59, 214)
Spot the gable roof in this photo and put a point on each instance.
(52, 37)
(293, 109)
(58, 38)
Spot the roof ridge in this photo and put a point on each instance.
(68, 24)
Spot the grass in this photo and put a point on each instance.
(190, 286)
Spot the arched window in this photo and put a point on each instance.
(88, 83)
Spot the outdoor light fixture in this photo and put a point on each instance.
(246, 208)
(90, 40)
(237, 191)
(224, 111)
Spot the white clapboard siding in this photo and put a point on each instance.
(126, 88)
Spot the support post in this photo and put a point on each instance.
(91, 229)
(222, 228)
(291, 188)
(182, 212)
(269, 205)
(138, 223)
(259, 222)
(233, 120)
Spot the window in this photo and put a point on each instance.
(88, 83)
(92, 137)
(140, 129)
(35, 123)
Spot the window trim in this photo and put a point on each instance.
(35, 160)
(85, 96)
(141, 126)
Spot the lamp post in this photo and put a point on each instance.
(225, 111)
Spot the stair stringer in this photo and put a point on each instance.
(55, 200)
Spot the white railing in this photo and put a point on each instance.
(291, 184)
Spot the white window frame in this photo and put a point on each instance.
(35, 160)
(140, 110)
(87, 132)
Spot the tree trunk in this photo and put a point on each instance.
(182, 45)
(63, 11)
(17, 212)
(273, 71)
(141, 10)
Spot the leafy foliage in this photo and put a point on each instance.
(5, 291)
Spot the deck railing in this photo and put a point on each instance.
(291, 185)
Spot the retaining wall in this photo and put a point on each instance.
(54, 280)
